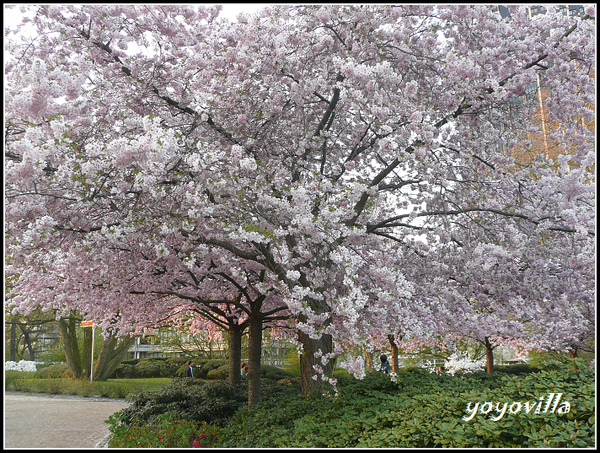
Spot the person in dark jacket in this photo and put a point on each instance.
(385, 365)
(189, 370)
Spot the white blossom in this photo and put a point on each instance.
(22, 365)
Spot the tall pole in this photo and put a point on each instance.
(92, 364)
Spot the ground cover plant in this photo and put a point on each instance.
(426, 410)
(420, 409)
(363, 170)
(168, 432)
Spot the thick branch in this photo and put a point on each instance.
(388, 223)
(332, 104)
(458, 112)
(170, 101)
(225, 245)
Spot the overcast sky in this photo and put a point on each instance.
(230, 10)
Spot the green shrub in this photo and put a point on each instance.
(153, 367)
(420, 410)
(125, 370)
(219, 373)
(274, 373)
(119, 388)
(211, 402)
(13, 379)
(150, 368)
(14, 374)
(273, 390)
(165, 367)
(57, 371)
(266, 372)
(293, 366)
(204, 366)
(521, 368)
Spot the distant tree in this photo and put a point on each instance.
(79, 357)
(26, 335)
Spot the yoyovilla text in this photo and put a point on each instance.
(528, 407)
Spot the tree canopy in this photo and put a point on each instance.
(350, 164)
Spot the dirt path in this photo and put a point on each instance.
(35, 420)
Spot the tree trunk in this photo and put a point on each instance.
(69, 336)
(111, 355)
(235, 353)
(254, 358)
(367, 359)
(573, 353)
(13, 342)
(86, 352)
(28, 342)
(394, 353)
(307, 361)
(489, 356)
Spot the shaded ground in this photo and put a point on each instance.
(36, 420)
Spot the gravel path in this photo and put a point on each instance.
(38, 420)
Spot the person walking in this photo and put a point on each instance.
(189, 370)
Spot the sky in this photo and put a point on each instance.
(230, 10)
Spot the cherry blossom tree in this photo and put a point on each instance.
(148, 147)
(246, 304)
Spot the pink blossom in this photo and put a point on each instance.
(323, 163)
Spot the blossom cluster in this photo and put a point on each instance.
(21, 365)
(458, 363)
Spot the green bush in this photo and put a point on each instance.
(274, 373)
(153, 367)
(169, 367)
(150, 368)
(124, 371)
(266, 372)
(423, 410)
(203, 366)
(14, 374)
(420, 410)
(57, 371)
(219, 373)
(146, 424)
(13, 379)
(521, 368)
(201, 401)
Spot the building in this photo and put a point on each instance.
(533, 102)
